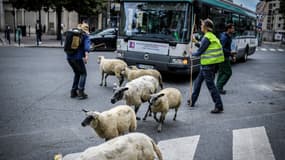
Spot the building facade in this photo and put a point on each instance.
(270, 20)
(12, 17)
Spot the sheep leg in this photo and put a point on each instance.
(161, 121)
(174, 118)
(136, 110)
(102, 77)
(154, 116)
(105, 84)
(148, 110)
(121, 80)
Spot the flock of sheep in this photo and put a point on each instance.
(144, 85)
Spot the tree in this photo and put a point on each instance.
(282, 8)
(82, 7)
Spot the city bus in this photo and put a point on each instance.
(157, 33)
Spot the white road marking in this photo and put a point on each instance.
(281, 50)
(251, 144)
(263, 49)
(179, 148)
(272, 49)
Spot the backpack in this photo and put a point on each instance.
(73, 41)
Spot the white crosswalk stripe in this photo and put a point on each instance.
(173, 149)
(280, 50)
(248, 144)
(263, 49)
(251, 144)
(272, 49)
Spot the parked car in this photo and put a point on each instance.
(104, 40)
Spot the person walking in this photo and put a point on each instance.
(77, 62)
(38, 32)
(211, 54)
(225, 71)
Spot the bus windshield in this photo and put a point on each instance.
(163, 21)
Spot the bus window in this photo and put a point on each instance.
(164, 21)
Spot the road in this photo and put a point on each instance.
(38, 119)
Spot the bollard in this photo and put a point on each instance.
(18, 35)
(29, 30)
(8, 34)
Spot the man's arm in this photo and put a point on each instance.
(203, 47)
(86, 48)
(223, 41)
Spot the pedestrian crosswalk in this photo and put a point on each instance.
(248, 144)
(262, 49)
(251, 144)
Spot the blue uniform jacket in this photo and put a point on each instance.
(226, 42)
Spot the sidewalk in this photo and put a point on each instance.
(48, 41)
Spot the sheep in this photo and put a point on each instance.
(111, 67)
(132, 72)
(168, 98)
(136, 91)
(111, 123)
(133, 146)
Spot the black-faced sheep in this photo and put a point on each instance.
(168, 98)
(136, 91)
(111, 67)
(111, 123)
(132, 72)
(133, 146)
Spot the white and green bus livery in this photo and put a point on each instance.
(156, 33)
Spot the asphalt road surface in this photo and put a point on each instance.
(38, 119)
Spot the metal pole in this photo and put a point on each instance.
(108, 14)
(191, 62)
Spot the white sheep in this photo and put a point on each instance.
(132, 72)
(111, 67)
(136, 91)
(133, 146)
(111, 123)
(168, 98)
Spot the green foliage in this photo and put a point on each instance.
(84, 7)
(282, 7)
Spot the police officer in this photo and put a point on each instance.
(211, 54)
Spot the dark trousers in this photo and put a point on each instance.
(224, 74)
(80, 73)
(207, 73)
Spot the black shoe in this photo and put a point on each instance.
(217, 110)
(73, 93)
(189, 103)
(222, 91)
(81, 94)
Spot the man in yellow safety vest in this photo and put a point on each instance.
(211, 54)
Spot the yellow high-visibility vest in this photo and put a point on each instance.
(214, 53)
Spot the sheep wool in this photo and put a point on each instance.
(136, 91)
(111, 67)
(168, 98)
(132, 72)
(133, 146)
(112, 123)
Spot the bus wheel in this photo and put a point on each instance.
(245, 56)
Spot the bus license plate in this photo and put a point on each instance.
(143, 66)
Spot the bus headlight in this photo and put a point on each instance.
(179, 61)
